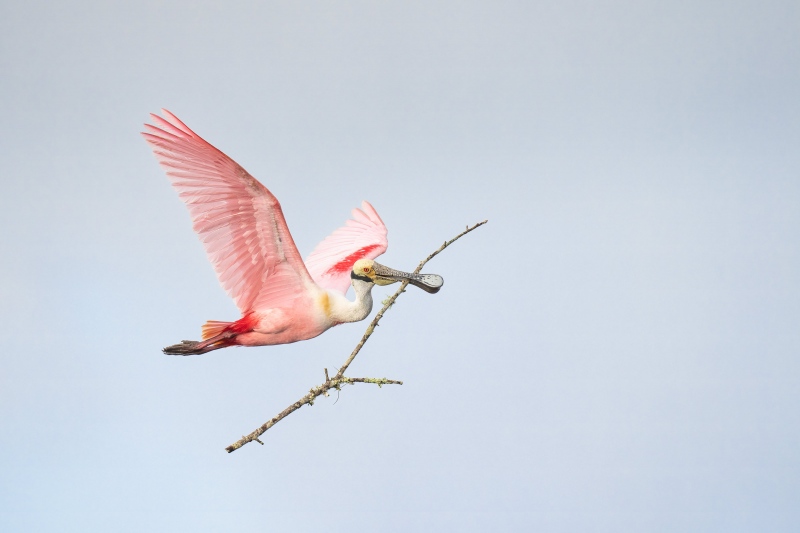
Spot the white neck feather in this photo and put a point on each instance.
(343, 310)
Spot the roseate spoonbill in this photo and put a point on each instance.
(241, 225)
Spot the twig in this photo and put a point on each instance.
(338, 380)
(307, 399)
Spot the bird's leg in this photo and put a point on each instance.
(198, 347)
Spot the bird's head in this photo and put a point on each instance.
(371, 272)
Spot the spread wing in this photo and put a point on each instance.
(238, 220)
(363, 236)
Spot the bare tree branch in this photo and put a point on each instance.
(388, 303)
(339, 379)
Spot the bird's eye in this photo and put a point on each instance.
(366, 270)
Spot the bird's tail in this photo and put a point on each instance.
(212, 328)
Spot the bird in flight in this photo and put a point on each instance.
(282, 299)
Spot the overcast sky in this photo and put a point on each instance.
(617, 350)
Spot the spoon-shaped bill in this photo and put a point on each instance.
(427, 282)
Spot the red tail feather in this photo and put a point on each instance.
(212, 328)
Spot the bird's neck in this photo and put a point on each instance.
(343, 310)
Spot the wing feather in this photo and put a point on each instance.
(363, 236)
(238, 220)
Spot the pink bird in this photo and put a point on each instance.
(241, 225)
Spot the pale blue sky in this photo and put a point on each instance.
(618, 350)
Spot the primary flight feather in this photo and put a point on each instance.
(241, 225)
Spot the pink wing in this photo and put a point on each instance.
(238, 220)
(364, 236)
